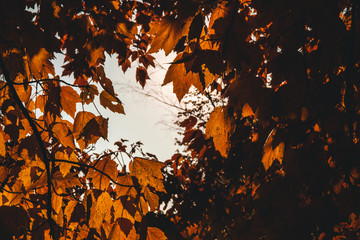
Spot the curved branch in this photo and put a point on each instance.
(94, 168)
(44, 152)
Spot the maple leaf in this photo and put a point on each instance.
(271, 154)
(154, 233)
(167, 33)
(220, 127)
(106, 165)
(69, 98)
(111, 102)
(148, 172)
(141, 76)
(182, 80)
(88, 94)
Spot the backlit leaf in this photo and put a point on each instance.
(182, 81)
(154, 233)
(271, 154)
(81, 119)
(63, 134)
(109, 101)
(106, 165)
(167, 33)
(220, 127)
(148, 172)
(100, 210)
(69, 98)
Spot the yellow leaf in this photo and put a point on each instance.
(111, 102)
(154, 233)
(271, 154)
(106, 165)
(220, 126)
(148, 172)
(100, 210)
(69, 98)
(63, 134)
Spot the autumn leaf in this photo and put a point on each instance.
(63, 134)
(151, 198)
(69, 98)
(148, 172)
(107, 166)
(220, 127)
(123, 190)
(271, 154)
(100, 210)
(141, 76)
(88, 94)
(154, 233)
(2, 145)
(40, 65)
(61, 183)
(182, 80)
(247, 111)
(65, 167)
(109, 101)
(81, 119)
(167, 33)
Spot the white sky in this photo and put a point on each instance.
(146, 119)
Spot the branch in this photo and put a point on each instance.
(94, 168)
(44, 152)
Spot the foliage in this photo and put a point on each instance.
(279, 160)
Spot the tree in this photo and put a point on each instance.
(278, 161)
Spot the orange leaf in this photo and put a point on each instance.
(181, 80)
(247, 111)
(100, 210)
(69, 98)
(148, 172)
(40, 65)
(2, 144)
(81, 119)
(271, 154)
(106, 165)
(154, 233)
(63, 134)
(111, 102)
(151, 198)
(167, 33)
(220, 126)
